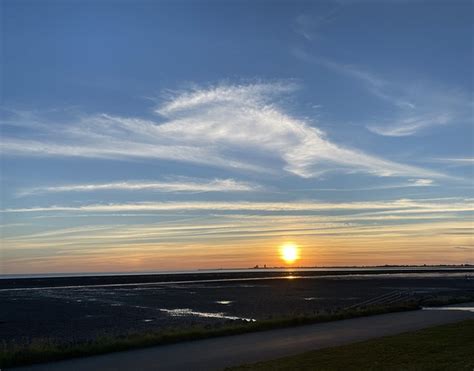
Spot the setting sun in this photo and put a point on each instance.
(289, 253)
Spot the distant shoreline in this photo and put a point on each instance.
(243, 270)
(8, 283)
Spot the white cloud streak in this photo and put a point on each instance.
(422, 182)
(459, 161)
(216, 185)
(401, 205)
(409, 184)
(231, 126)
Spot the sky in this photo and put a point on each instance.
(177, 135)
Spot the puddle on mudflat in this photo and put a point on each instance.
(467, 309)
(184, 312)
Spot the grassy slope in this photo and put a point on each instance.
(447, 347)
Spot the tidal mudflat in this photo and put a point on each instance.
(84, 308)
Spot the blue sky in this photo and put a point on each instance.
(169, 135)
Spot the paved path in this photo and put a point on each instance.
(218, 353)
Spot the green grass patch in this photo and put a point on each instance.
(447, 347)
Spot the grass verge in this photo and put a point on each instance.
(446, 347)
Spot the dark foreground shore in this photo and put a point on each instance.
(447, 347)
(71, 309)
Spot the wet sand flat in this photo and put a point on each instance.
(76, 309)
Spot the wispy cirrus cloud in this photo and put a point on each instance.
(183, 185)
(231, 126)
(308, 25)
(419, 105)
(406, 126)
(251, 228)
(403, 205)
(241, 234)
(411, 183)
(458, 160)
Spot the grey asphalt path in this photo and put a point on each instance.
(218, 353)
